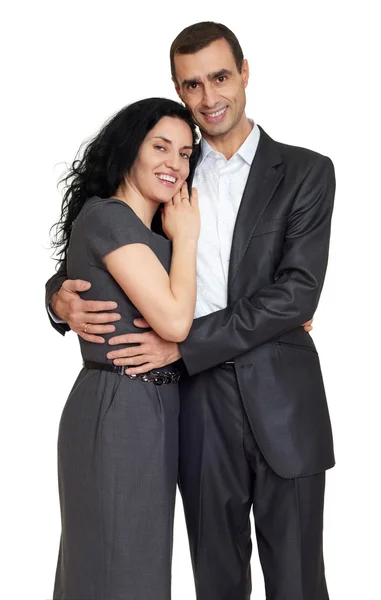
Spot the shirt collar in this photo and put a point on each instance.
(246, 151)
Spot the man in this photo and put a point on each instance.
(255, 429)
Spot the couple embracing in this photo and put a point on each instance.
(206, 262)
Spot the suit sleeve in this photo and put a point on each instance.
(51, 287)
(290, 300)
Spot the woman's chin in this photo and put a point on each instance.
(161, 198)
(165, 198)
(166, 195)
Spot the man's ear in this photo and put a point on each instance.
(177, 87)
(245, 71)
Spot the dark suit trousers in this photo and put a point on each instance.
(222, 476)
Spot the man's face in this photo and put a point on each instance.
(210, 85)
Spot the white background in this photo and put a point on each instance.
(66, 67)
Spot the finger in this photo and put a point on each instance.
(76, 285)
(194, 197)
(100, 317)
(97, 329)
(125, 352)
(95, 339)
(184, 193)
(133, 361)
(141, 323)
(142, 369)
(129, 338)
(119, 339)
(98, 306)
(177, 198)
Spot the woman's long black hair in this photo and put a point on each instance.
(108, 158)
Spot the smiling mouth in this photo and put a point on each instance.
(216, 116)
(167, 180)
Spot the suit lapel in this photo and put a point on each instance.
(266, 173)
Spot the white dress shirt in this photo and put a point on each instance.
(220, 184)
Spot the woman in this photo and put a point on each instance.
(117, 446)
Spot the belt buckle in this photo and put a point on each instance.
(120, 370)
(154, 376)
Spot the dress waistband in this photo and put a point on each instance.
(154, 376)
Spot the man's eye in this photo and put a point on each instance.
(192, 86)
(221, 79)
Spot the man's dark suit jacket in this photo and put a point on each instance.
(276, 272)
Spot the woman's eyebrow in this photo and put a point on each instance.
(161, 137)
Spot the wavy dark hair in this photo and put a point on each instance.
(101, 164)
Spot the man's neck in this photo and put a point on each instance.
(228, 143)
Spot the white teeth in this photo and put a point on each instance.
(167, 178)
(217, 114)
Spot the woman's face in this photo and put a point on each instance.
(162, 164)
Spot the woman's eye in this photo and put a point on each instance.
(159, 148)
(185, 155)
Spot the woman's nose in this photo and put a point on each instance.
(173, 161)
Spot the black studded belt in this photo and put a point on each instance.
(155, 376)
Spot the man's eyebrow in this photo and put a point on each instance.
(191, 81)
(161, 137)
(220, 73)
(210, 76)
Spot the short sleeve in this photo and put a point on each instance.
(110, 224)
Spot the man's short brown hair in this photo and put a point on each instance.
(199, 36)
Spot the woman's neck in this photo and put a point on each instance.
(143, 208)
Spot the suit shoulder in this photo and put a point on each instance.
(302, 156)
(297, 161)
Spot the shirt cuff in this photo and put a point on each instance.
(54, 317)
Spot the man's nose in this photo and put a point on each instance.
(210, 98)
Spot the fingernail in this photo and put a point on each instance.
(109, 355)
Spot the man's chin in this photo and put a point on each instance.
(215, 130)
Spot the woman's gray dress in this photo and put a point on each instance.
(118, 442)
